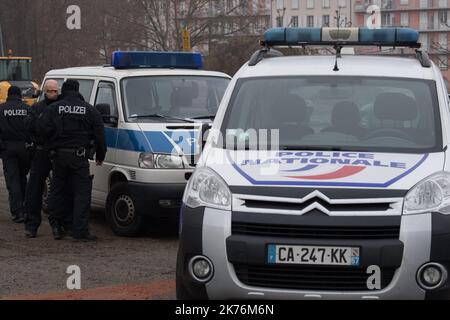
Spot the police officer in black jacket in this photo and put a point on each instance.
(40, 165)
(70, 125)
(16, 158)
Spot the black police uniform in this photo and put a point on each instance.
(70, 125)
(16, 158)
(39, 172)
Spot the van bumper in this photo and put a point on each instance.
(158, 200)
(423, 238)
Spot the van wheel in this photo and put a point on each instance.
(122, 212)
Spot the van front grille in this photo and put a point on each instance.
(309, 277)
(316, 232)
(347, 207)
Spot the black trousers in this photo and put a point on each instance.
(71, 169)
(16, 164)
(40, 170)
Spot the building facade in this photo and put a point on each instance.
(311, 13)
(429, 17)
(218, 20)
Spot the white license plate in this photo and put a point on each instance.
(313, 255)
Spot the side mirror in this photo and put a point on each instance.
(206, 127)
(105, 111)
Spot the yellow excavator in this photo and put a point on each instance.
(16, 71)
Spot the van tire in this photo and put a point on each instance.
(123, 213)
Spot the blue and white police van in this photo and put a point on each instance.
(324, 177)
(154, 106)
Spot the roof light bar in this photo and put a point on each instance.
(395, 37)
(145, 59)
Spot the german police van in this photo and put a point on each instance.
(324, 177)
(154, 106)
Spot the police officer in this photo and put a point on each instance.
(40, 165)
(70, 125)
(16, 159)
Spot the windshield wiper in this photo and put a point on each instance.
(212, 117)
(156, 115)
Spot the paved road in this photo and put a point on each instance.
(113, 268)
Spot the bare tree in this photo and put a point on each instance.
(37, 28)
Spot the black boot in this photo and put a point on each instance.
(18, 218)
(85, 238)
(30, 234)
(57, 234)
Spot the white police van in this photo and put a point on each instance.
(154, 106)
(349, 200)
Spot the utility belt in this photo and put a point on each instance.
(33, 147)
(81, 152)
(29, 146)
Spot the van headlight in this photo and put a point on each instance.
(429, 195)
(160, 161)
(167, 161)
(207, 189)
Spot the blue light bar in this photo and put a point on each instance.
(146, 59)
(395, 37)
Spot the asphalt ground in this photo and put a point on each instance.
(113, 268)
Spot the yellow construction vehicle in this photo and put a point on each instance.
(16, 71)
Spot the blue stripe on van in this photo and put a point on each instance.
(148, 141)
(159, 142)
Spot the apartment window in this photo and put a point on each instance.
(423, 20)
(404, 19)
(310, 21)
(424, 40)
(404, 2)
(325, 3)
(182, 8)
(280, 4)
(294, 21)
(443, 62)
(423, 3)
(279, 22)
(431, 22)
(387, 19)
(443, 17)
(325, 21)
(295, 4)
(310, 4)
(230, 5)
(443, 4)
(443, 41)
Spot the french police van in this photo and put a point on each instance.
(349, 199)
(154, 106)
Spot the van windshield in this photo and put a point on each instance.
(337, 113)
(15, 70)
(172, 96)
